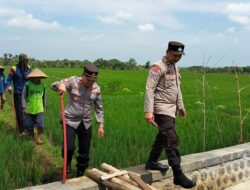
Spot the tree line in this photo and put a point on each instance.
(228, 69)
(113, 64)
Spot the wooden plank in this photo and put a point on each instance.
(115, 174)
(139, 181)
(112, 169)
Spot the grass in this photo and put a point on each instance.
(19, 167)
(22, 162)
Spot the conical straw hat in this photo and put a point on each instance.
(36, 73)
(1, 67)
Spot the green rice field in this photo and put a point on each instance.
(128, 138)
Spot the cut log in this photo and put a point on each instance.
(125, 184)
(95, 176)
(109, 168)
(139, 181)
(152, 187)
(126, 177)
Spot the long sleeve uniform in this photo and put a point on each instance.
(81, 101)
(163, 93)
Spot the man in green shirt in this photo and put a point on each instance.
(33, 102)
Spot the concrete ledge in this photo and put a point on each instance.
(71, 184)
(206, 168)
(196, 161)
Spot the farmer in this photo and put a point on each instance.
(84, 94)
(162, 102)
(18, 75)
(33, 102)
(2, 87)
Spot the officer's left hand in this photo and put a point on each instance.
(183, 113)
(100, 132)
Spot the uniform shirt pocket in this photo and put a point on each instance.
(170, 80)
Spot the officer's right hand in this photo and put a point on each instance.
(149, 117)
(100, 132)
(61, 88)
(9, 89)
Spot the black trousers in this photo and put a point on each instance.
(166, 139)
(84, 141)
(20, 116)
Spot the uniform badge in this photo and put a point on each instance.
(75, 98)
(154, 71)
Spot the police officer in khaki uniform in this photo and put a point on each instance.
(163, 101)
(84, 94)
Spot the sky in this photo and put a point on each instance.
(216, 33)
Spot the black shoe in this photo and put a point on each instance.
(183, 181)
(68, 169)
(79, 172)
(156, 166)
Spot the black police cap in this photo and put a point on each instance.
(91, 71)
(176, 47)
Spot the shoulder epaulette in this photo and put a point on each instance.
(160, 64)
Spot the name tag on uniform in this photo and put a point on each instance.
(170, 73)
(170, 76)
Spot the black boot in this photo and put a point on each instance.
(151, 165)
(80, 172)
(155, 153)
(181, 179)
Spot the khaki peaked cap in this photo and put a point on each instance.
(36, 73)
